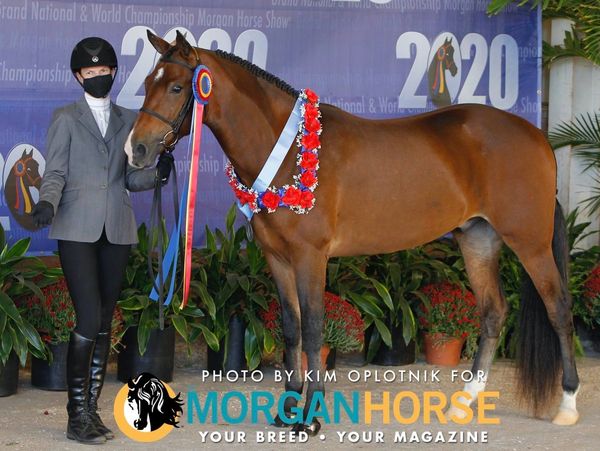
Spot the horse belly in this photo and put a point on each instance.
(400, 214)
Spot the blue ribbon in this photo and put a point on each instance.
(280, 150)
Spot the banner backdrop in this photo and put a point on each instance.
(374, 58)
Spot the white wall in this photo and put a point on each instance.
(574, 88)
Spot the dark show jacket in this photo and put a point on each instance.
(87, 176)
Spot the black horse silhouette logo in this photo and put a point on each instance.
(23, 175)
(150, 397)
(442, 61)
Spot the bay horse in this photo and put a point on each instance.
(442, 61)
(485, 175)
(23, 175)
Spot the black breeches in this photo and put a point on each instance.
(94, 274)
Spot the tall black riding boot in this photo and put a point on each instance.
(81, 427)
(97, 372)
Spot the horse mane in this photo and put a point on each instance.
(258, 72)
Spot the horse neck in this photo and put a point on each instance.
(437, 75)
(246, 114)
(17, 189)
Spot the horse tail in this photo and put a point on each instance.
(538, 355)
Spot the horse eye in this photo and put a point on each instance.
(176, 89)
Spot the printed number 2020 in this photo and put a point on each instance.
(501, 58)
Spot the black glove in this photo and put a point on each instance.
(42, 213)
(163, 167)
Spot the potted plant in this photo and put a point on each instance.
(449, 317)
(388, 292)
(343, 328)
(17, 337)
(587, 308)
(145, 347)
(53, 316)
(232, 286)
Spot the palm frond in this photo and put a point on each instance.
(592, 203)
(571, 46)
(589, 23)
(583, 133)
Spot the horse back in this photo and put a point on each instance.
(414, 179)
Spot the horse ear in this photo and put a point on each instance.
(24, 153)
(130, 384)
(159, 44)
(183, 43)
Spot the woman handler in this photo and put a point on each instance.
(84, 195)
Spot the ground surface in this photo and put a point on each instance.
(36, 420)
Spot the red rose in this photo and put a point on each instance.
(310, 112)
(312, 125)
(311, 96)
(309, 161)
(308, 179)
(270, 200)
(310, 141)
(307, 199)
(292, 196)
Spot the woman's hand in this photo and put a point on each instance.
(42, 214)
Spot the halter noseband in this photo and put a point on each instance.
(178, 121)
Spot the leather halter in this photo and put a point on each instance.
(183, 112)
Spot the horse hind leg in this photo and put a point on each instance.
(546, 325)
(480, 246)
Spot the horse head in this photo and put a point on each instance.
(28, 168)
(153, 402)
(168, 102)
(445, 53)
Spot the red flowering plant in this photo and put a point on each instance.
(53, 316)
(343, 328)
(450, 311)
(588, 309)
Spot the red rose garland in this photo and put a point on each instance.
(298, 197)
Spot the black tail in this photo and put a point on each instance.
(539, 356)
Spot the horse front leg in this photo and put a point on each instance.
(310, 272)
(283, 275)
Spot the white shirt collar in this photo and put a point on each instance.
(97, 104)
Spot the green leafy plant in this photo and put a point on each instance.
(18, 274)
(385, 288)
(139, 310)
(231, 278)
(584, 40)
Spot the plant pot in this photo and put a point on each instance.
(158, 359)
(9, 375)
(589, 337)
(51, 376)
(236, 357)
(399, 354)
(442, 350)
(327, 359)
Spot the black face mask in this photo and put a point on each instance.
(98, 86)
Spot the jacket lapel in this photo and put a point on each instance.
(115, 123)
(87, 119)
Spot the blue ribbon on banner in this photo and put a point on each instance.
(280, 150)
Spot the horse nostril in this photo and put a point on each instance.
(139, 151)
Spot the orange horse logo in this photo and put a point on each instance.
(21, 177)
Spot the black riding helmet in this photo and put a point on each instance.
(91, 52)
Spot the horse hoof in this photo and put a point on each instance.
(455, 412)
(566, 417)
(279, 423)
(311, 429)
